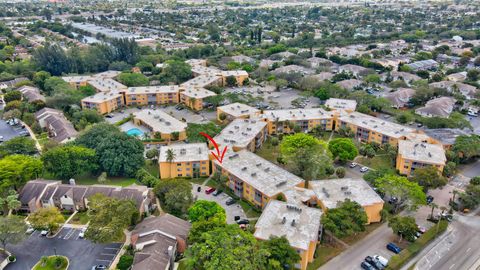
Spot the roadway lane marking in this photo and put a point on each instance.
(468, 250)
(451, 266)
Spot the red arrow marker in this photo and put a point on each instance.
(219, 155)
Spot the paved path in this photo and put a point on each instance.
(373, 244)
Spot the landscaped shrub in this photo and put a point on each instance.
(125, 262)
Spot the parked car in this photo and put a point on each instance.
(44, 233)
(209, 190)
(30, 230)
(364, 169)
(353, 165)
(217, 192)
(99, 267)
(375, 263)
(381, 259)
(394, 248)
(429, 199)
(199, 189)
(393, 200)
(243, 221)
(421, 229)
(110, 115)
(366, 266)
(236, 218)
(82, 233)
(230, 201)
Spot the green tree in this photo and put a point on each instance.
(193, 131)
(340, 172)
(205, 210)
(69, 161)
(152, 154)
(408, 193)
(93, 136)
(132, 79)
(9, 201)
(202, 226)
(18, 145)
(466, 147)
(175, 195)
(40, 77)
(307, 156)
(343, 148)
(429, 178)
(125, 262)
(223, 248)
(16, 170)
(12, 95)
(281, 255)
(404, 226)
(231, 81)
(176, 71)
(12, 230)
(120, 155)
(46, 218)
(109, 217)
(346, 219)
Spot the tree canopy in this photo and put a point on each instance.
(16, 170)
(18, 145)
(206, 210)
(109, 217)
(404, 226)
(343, 148)
(69, 161)
(408, 193)
(12, 230)
(429, 177)
(46, 218)
(175, 195)
(346, 219)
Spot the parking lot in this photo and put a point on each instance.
(231, 210)
(8, 132)
(82, 253)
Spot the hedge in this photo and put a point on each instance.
(124, 120)
(397, 261)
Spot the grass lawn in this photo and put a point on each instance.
(377, 162)
(269, 152)
(249, 210)
(89, 179)
(350, 240)
(50, 263)
(198, 181)
(80, 218)
(152, 168)
(322, 255)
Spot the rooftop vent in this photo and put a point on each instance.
(293, 223)
(284, 220)
(244, 168)
(344, 188)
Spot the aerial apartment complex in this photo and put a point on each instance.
(413, 155)
(161, 125)
(243, 134)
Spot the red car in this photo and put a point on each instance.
(209, 190)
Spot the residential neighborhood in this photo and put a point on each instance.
(239, 135)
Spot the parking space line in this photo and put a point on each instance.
(103, 260)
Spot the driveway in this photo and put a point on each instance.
(231, 210)
(82, 253)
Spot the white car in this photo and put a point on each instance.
(44, 232)
(30, 230)
(82, 233)
(470, 113)
(353, 165)
(364, 169)
(381, 259)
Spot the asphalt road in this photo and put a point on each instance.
(458, 249)
(8, 132)
(374, 244)
(82, 253)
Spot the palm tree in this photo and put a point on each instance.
(434, 205)
(170, 158)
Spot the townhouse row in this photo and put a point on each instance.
(70, 197)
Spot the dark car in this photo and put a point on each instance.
(243, 221)
(217, 192)
(230, 201)
(393, 200)
(366, 266)
(236, 218)
(429, 199)
(199, 189)
(394, 248)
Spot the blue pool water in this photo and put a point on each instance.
(134, 132)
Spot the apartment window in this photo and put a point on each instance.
(203, 162)
(179, 174)
(179, 164)
(204, 173)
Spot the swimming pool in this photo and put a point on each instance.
(134, 132)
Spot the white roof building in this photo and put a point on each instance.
(341, 104)
(240, 132)
(160, 121)
(422, 152)
(185, 152)
(299, 224)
